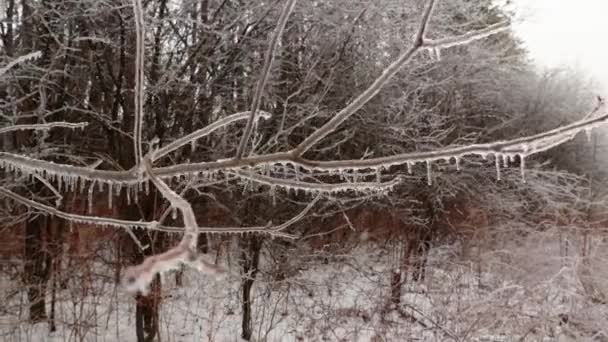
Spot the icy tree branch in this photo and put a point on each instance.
(18, 60)
(269, 58)
(138, 114)
(192, 137)
(318, 187)
(521, 146)
(43, 127)
(273, 231)
(466, 38)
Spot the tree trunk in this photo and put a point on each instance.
(250, 259)
(35, 270)
(396, 287)
(146, 313)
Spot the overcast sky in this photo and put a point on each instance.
(566, 32)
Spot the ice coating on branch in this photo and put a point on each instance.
(19, 60)
(313, 188)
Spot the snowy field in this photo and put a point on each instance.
(542, 299)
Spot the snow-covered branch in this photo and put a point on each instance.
(268, 59)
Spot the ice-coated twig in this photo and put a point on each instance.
(149, 225)
(466, 38)
(43, 127)
(51, 170)
(52, 188)
(18, 60)
(140, 27)
(188, 139)
(317, 187)
(268, 59)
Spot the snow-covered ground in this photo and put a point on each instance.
(529, 294)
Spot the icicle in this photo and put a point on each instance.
(497, 162)
(174, 213)
(409, 167)
(193, 145)
(110, 195)
(273, 194)
(505, 160)
(128, 190)
(522, 167)
(457, 160)
(378, 175)
(297, 172)
(588, 134)
(90, 197)
(147, 187)
(428, 173)
(59, 183)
